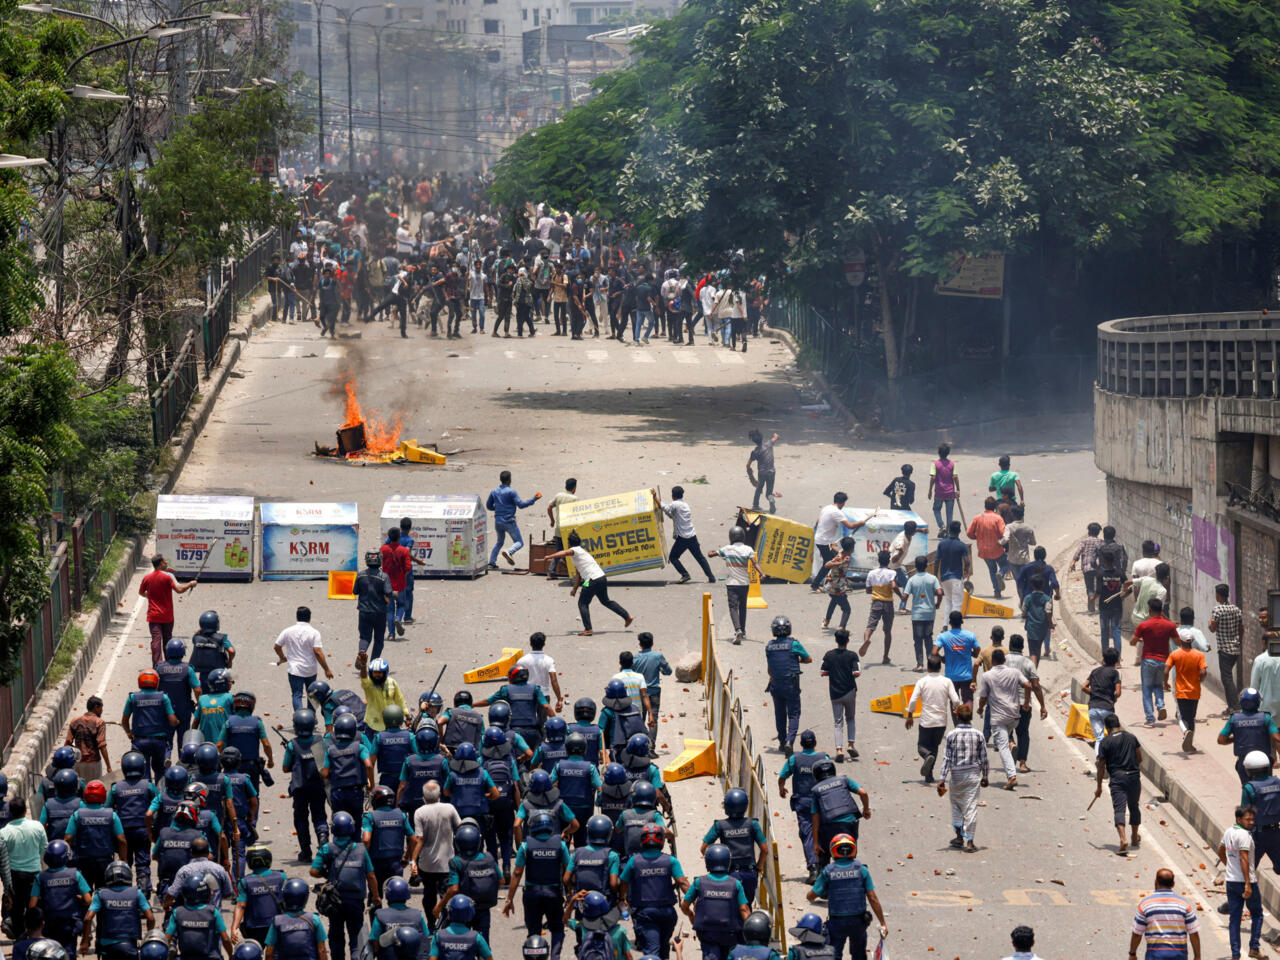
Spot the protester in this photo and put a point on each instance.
(158, 587)
(300, 647)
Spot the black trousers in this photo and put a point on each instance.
(738, 606)
(432, 888)
(499, 832)
(598, 588)
(690, 545)
(455, 316)
(22, 883)
(309, 799)
(524, 315)
(1126, 791)
(346, 926)
(1023, 734)
(504, 317)
(138, 845)
(827, 552)
(560, 313)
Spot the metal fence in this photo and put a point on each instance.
(739, 765)
(968, 391)
(170, 400)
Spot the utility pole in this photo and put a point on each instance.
(351, 129)
(382, 146)
(568, 93)
(320, 98)
(181, 105)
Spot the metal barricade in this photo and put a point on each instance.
(739, 766)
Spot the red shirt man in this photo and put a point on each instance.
(395, 560)
(158, 587)
(1156, 633)
(987, 529)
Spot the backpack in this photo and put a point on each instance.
(377, 272)
(596, 945)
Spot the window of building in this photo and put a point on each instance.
(524, 14)
(493, 56)
(583, 15)
(491, 26)
(536, 11)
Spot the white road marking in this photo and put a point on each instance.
(334, 352)
(687, 358)
(733, 359)
(292, 351)
(509, 354)
(124, 636)
(642, 357)
(597, 356)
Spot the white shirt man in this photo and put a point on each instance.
(299, 646)
(434, 824)
(542, 672)
(707, 300)
(404, 240)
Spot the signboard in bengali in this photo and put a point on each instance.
(449, 532)
(881, 527)
(213, 532)
(981, 277)
(623, 532)
(304, 541)
(784, 548)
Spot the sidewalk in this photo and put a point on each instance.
(1202, 786)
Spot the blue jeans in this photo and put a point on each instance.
(1236, 902)
(504, 530)
(395, 612)
(1097, 716)
(1152, 687)
(997, 577)
(654, 927)
(937, 513)
(637, 323)
(406, 597)
(1110, 623)
(298, 689)
(803, 806)
(786, 707)
(477, 313)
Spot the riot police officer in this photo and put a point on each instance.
(462, 723)
(529, 707)
(457, 940)
(248, 734)
(742, 835)
(641, 814)
(244, 802)
(167, 798)
(541, 862)
(1250, 729)
(620, 720)
(345, 863)
(385, 831)
(757, 930)
(716, 904)
(173, 843)
(799, 767)
(497, 762)
(835, 807)
(474, 873)
(130, 798)
(649, 881)
(63, 758)
(500, 717)
(1262, 792)
(296, 933)
(584, 724)
(95, 834)
(553, 748)
(209, 824)
(180, 683)
(390, 746)
(306, 784)
(58, 808)
(577, 779)
(598, 928)
(149, 721)
(810, 940)
(595, 865)
(215, 705)
(195, 928)
(468, 785)
(544, 797)
(635, 760)
(614, 798)
(210, 649)
(258, 895)
(391, 917)
(846, 885)
(327, 700)
(62, 892)
(347, 767)
(420, 768)
(120, 909)
(783, 655)
(217, 785)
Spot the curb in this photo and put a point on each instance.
(49, 714)
(1210, 826)
(837, 405)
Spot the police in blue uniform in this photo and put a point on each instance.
(1262, 793)
(649, 883)
(180, 683)
(295, 933)
(584, 723)
(742, 835)
(58, 808)
(783, 655)
(130, 798)
(167, 798)
(248, 734)
(835, 807)
(541, 862)
(468, 785)
(244, 801)
(810, 938)
(385, 831)
(210, 648)
(419, 769)
(173, 843)
(62, 892)
(553, 748)
(595, 865)
(846, 885)
(716, 905)
(216, 785)
(799, 767)
(390, 747)
(620, 720)
(756, 932)
(388, 919)
(95, 834)
(120, 909)
(497, 762)
(529, 707)
(1250, 729)
(458, 939)
(578, 780)
(345, 863)
(149, 721)
(195, 928)
(327, 701)
(473, 873)
(306, 785)
(641, 814)
(258, 895)
(347, 768)
(614, 798)
(462, 723)
(541, 796)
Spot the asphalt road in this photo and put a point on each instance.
(621, 418)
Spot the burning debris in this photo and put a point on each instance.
(367, 439)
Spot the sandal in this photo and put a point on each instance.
(586, 633)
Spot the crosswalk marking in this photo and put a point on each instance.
(509, 354)
(644, 358)
(598, 356)
(687, 358)
(733, 358)
(334, 352)
(293, 351)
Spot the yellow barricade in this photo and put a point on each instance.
(1078, 724)
(342, 583)
(973, 607)
(698, 759)
(755, 599)
(497, 670)
(896, 703)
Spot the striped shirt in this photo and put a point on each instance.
(737, 558)
(1087, 553)
(1228, 620)
(963, 752)
(1166, 920)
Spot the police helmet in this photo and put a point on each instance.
(319, 691)
(153, 947)
(539, 781)
(824, 769)
(518, 674)
(555, 730)
(1250, 700)
(427, 739)
(462, 698)
(536, 947)
(500, 715)
(595, 905)
(735, 802)
(64, 758)
(584, 710)
(295, 893)
(718, 858)
(66, 783)
(343, 825)
(781, 626)
(808, 740)
(176, 779)
(392, 715)
(248, 950)
(258, 857)
(575, 744)
(615, 690)
(542, 824)
(187, 814)
(843, 845)
(209, 621)
(207, 758)
(231, 758)
(757, 929)
(187, 754)
(117, 874)
(639, 745)
(95, 791)
(614, 774)
(466, 840)
(462, 909)
(50, 950)
(396, 890)
(464, 751)
(644, 795)
(383, 797)
(408, 942)
(378, 670)
(219, 680)
(1253, 760)
(343, 710)
(244, 702)
(175, 649)
(304, 722)
(599, 830)
(433, 699)
(807, 927)
(345, 728)
(195, 892)
(55, 854)
(652, 836)
(148, 680)
(495, 737)
(133, 764)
